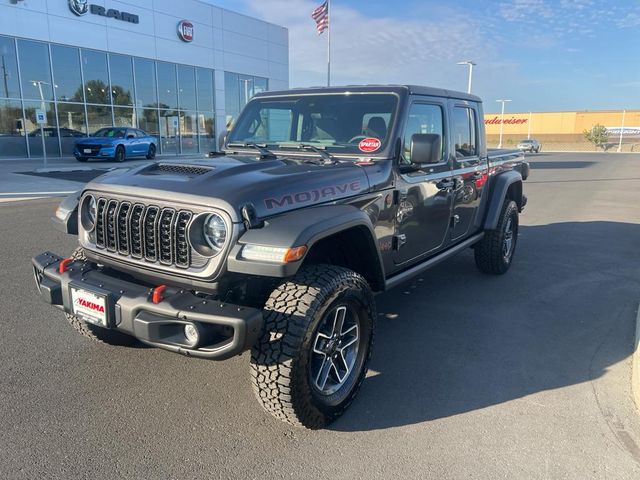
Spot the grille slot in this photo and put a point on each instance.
(110, 225)
(100, 222)
(147, 233)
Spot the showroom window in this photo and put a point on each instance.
(121, 70)
(10, 85)
(205, 86)
(146, 86)
(186, 87)
(35, 70)
(12, 131)
(66, 74)
(96, 77)
(72, 124)
(167, 90)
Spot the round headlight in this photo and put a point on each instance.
(89, 213)
(215, 232)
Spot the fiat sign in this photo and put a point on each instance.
(185, 31)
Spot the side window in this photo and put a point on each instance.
(423, 118)
(464, 132)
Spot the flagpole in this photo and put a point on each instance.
(328, 43)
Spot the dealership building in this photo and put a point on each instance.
(180, 70)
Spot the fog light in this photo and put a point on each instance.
(192, 334)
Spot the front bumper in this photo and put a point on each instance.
(104, 152)
(227, 329)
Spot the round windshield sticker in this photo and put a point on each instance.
(369, 145)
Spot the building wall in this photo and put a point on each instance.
(224, 41)
(564, 130)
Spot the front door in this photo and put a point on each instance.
(423, 197)
(470, 167)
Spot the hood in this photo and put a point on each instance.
(230, 182)
(97, 140)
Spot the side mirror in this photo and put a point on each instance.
(222, 139)
(426, 148)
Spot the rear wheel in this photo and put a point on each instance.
(494, 253)
(120, 154)
(151, 154)
(95, 333)
(312, 357)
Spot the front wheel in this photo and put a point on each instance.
(494, 253)
(120, 154)
(312, 357)
(151, 154)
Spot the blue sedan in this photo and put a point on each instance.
(116, 143)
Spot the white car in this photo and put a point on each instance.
(531, 146)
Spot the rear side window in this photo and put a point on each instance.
(423, 118)
(464, 132)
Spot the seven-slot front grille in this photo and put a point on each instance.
(144, 232)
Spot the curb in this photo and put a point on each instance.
(635, 364)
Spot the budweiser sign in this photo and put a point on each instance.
(507, 121)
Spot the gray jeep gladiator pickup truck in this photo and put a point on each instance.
(321, 198)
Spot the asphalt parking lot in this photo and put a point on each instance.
(524, 376)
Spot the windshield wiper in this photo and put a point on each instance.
(326, 156)
(265, 153)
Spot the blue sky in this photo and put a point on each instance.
(542, 54)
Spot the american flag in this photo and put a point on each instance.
(321, 17)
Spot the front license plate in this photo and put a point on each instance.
(87, 150)
(89, 306)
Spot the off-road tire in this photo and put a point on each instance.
(280, 360)
(489, 251)
(98, 334)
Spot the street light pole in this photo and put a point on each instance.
(470, 64)
(501, 120)
(529, 128)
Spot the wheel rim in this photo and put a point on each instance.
(152, 151)
(120, 155)
(507, 243)
(335, 350)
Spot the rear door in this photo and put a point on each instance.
(424, 197)
(470, 167)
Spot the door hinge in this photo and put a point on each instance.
(399, 241)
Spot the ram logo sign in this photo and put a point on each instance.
(81, 7)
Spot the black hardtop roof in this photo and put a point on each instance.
(411, 89)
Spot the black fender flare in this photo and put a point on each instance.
(66, 216)
(499, 189)
(297, 228)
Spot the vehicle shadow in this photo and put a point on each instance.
(456, 340)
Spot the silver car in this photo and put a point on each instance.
(530, 145)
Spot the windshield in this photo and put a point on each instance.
(343, 123)
(110, 132)
(526, 141)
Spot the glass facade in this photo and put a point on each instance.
(238, 90)
(83, 90)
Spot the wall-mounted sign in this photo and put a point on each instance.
(185, 31)
(82, 7)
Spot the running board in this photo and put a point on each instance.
(407, 274)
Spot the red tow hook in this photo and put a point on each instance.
(156, 296)
(64, 264)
